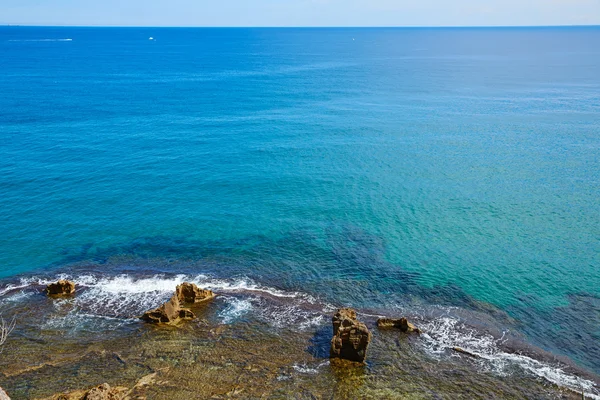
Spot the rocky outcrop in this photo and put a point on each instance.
(191, 294)
(60, 288)
(169, 313)
(3, 395)
(107, 392)
(402, 324)
(350, 337)
(173, 312)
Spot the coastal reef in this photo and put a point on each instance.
(63, 351)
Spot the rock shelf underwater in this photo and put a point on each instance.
(63, 345)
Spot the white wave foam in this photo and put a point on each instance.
(74, 322)
(290, 316)
(306, 369)
(236, 308)
(445, 333)
(127, 296)
(247, 285)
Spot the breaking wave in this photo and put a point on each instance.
(446, 333)
(110, 302)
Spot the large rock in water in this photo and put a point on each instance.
(402, 324)
(60, 288)
(190, 293)
(169, 313)
(350, 337)
(3, 395)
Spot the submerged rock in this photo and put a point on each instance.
(105, 392)
(402, 324)
(350, 337)
(169, 313)
(465, 352)
(100, 392)
(61, 288)
(190, 293)
(3, 395)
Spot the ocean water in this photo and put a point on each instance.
(450, 174)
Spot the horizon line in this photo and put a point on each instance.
(301, 26)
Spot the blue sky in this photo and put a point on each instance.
(300, 12)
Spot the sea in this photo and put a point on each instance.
(451, 175)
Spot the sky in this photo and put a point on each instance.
(300, 12)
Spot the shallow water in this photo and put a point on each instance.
(256, 340)
(438, 173)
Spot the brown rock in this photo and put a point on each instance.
(190, 293)
(60, 288)
(465, 352)
(101, 392)
(402, 324)
(3, 395)
(105, 392)
(350, 337)
(169, 313)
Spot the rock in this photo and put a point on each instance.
(169, 313)
(105, 392)
(60, 288)
(3, 395)
(465, 352)
(101, 392)
(172, 312)
(350, 337)
(190, 293)
(402, 324)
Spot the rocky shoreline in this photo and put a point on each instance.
(182, 353)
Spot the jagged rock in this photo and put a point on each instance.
(60, 288)
(101, 392)
(105, 392)
(3, 395)
(402, 324)
(169, 313)
(350, 337)
(190, 293)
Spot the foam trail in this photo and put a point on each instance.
(445, 333)
(235, 309)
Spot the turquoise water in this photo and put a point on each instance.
(445, 167)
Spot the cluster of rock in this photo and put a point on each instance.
(350, 340)
(107, 392)
(173, 311)
(351, 337)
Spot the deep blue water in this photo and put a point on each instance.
(428, 166)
